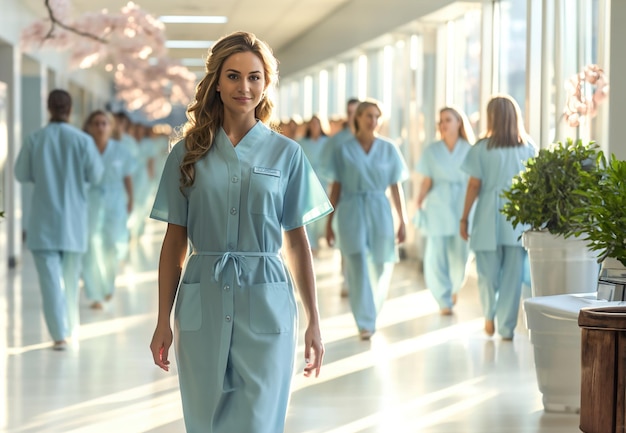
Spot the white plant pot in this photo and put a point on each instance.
(559, 265)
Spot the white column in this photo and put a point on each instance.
(10, 66)
(616, 72)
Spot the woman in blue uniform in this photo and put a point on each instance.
(61, 161)
(110, 202)
(440, 206)
(313, 144)
(491, 164)
(231, 190)
(362, 169)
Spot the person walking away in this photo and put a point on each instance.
(62, 162)
(491, 164)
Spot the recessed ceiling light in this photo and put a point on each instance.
(189, 44)
(186, 19)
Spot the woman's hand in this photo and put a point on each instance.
(463, 230)
(401, 232)
(160, 346)
(313, 350)
(330, 235)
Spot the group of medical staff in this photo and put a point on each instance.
(84, 185)
(459, 205)
(458, 201)
(458, 209)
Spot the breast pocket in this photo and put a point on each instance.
(263, 193)
(188, 314)
(272, 308)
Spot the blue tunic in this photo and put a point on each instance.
(235, 313)
(109, 198)
(60, 160)
(495, 168)
(314, 149)
(363, 217)
(325, 169)
(443, 206)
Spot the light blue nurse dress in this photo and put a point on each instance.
(143, 185)
(235, 314)
(364, 222)
(108, 218)
(61, 161)
(446, 252)
(497, 245)
(314, 149)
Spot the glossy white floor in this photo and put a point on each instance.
(421, 372)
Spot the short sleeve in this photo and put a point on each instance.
(471, 164)
(424, 165)
(305, 199)
(170, 205)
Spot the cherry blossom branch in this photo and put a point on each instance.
(54, 22)
(130, 43)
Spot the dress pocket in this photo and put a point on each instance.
(188, 314)
(272, 308)
(263, 192)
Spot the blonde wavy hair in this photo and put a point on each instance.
(205, 114)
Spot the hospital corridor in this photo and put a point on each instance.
(421, 372)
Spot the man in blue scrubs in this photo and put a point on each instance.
(61, 161)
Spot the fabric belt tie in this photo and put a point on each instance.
(238, 259)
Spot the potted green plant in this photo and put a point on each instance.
(602, 222)
(544, 198)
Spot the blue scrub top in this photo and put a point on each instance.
(363, 218)
(242, 199)
(325, 169)
(443, 207)
(243, 196)
(495, 168)
(108, 199)
(61, 161)
(314, 149)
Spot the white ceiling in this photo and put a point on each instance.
(301, 32)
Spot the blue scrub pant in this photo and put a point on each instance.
(58, 281)
(368, 285)
(500, 285)
(445, 258)
(100, 266)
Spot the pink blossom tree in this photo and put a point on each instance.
(130, 44)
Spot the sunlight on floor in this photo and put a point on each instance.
(140, 410)
(91, 330)
(420, 372)
(395, 419)
(385, 352)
